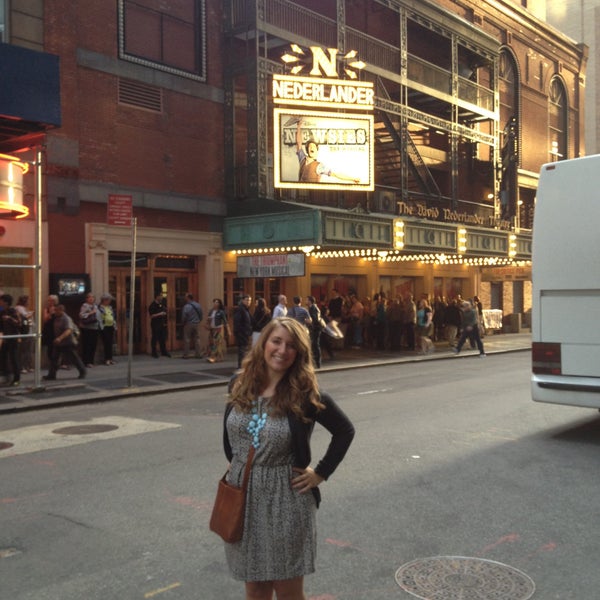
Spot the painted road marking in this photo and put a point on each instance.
(43, 437)
(372, 392)
(162, 590)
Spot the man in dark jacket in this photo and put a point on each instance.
(452, 322)
(242, 327)
(158, 325)
(10, 325)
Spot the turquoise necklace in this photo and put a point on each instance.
(257, 422)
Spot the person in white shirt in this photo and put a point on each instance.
(281, 309)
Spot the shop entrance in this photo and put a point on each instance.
(119, 283)
(173, 283)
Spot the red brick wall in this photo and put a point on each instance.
(177, 151)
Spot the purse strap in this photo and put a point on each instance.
(248, 467)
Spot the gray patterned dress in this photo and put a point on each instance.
(279, 539)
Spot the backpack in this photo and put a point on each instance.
(75, 332)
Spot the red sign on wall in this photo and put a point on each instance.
(120, 210)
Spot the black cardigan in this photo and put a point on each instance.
(332, 417)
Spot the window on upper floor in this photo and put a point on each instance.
(557, 120)
(169, 35)
(509, 95)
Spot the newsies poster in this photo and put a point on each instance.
(323, 150)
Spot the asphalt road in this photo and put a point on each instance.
(451, 459)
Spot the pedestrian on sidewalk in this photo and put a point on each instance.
(158, 326)
(108, 326)
(299, 313)
(470, 329)
(409, 321)
(274, 403)
(260, 317)
(242, 327)
(452, 321)
(11, 325)
(26, 347)
(280, 309)
(191, 318)
(90, 328)
(218, 332)
(425, 327)
(316, 328)
(64, 344)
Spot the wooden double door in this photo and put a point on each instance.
(172, 285)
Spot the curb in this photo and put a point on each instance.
(100, 396)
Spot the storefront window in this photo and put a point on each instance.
(16, 281)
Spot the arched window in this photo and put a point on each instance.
(508, 79)
(557, 120)
(509, 87)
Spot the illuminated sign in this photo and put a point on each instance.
(271, 265)
(325, 93)
(317, 150)
(11, 187)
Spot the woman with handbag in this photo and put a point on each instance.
(274, 404)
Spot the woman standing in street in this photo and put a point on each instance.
(274, 404)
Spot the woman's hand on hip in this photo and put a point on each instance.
(305, 479)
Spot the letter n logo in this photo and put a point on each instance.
(322, 62)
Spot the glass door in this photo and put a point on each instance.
(120, 288)
(173, 287)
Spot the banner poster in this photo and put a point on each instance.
(323, 150)
(271, 265)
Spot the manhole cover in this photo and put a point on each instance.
(446, 577)
(84, 429)
(5, 445)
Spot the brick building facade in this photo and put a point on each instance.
(168, 103)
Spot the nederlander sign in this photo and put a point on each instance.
(301, 91)
(433, 213)
(323, 127)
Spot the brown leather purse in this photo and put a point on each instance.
(227, 519)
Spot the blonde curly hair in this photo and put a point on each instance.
(298, 387)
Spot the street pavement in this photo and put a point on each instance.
(164, 375)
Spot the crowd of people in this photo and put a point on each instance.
(379, 323)
(402, 323)
(67, 342)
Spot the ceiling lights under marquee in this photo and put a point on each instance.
(11, 187)
(387, 256)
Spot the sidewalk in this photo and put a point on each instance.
(164, 375)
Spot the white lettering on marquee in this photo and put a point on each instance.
(307, 91)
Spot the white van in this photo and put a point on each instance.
(565, 318)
